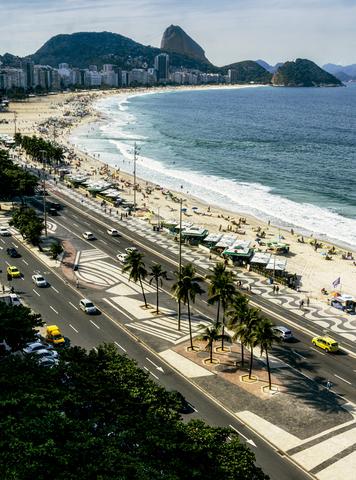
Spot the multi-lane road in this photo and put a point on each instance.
(60, 304)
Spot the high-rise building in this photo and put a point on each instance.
(232, 76)
(162, 67)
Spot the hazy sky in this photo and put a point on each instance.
(228, 30)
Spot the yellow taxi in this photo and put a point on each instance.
(326, 343)
(53, 335)
(13, 271)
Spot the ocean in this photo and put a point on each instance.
(287, 155)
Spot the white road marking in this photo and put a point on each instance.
(14, 244)
(24, 261)
(122, 348)
(71, 326)
(298, 354)
(192, 406)
(153, 375)
(70, 303)
(251, 442)
(346, 381)
(75, 225)
(318, 351)
(54, 288)
(101, 240)
(2, 240)
(158, 368)
(36, 292)
(95, 325)
(7, 263)
(55, 311)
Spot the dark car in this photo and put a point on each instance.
(182, 405)
(12, 252)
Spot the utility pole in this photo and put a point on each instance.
(136, 150)
(44, 191)
(180, 257)
(15, 126)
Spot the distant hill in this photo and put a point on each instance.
(249, 71)
(268, 67)
(303, 73)
(344, 73)
(175, 39)
(97, 48)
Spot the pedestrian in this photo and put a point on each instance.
(274, 289)
(77, 283)
(301, 303)
(308, 301)
(12, 289)
(3, 288)
(277, 288)
(328, 385)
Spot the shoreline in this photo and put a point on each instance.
(316, 273)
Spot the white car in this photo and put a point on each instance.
(4, 232)
(39, 281)
(87, 306)
(88, 236)
(113, 232)
(44, 352)
(130, 249)
(36, 346)
(14, 299)
(122, 257)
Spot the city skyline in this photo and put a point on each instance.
(321, 30)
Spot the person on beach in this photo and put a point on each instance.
(277, 288)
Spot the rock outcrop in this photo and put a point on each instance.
(176, 40)
(303, 73)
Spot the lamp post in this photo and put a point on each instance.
(15, 126)
(180, 257)
(43, 152)
(136, 150)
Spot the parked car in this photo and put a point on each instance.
(53, 335)
(113, 232)
(326, 343)
(44, 352)
(35, 346)
(13, 271)
(47, 362)
(12, 252)
(87, 306)
(39, 281)
(283, 333)
(122, 257)
(89, 236)
(5, 232)
(14, 299)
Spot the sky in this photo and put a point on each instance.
(228, 30)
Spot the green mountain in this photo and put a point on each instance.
(303, 73)
(97, 48)
(248, 71)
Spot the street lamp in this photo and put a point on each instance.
(135, 152)
(180, 257)
(43, 152)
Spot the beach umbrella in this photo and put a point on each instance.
(194, 208)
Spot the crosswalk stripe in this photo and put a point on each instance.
(156, 333)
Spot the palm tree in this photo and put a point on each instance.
(265, 338)
(136, 269)
(236, 313)
(245, 332)
(221, 290)
(157, 274)
(186, 289)
(211, 334)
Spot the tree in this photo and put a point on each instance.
(186, 289)
(214, 287)
(157, 274)
(237, 312)
(136, 269)
(97, 415)
(28, 223)
(14, 181)
(18, 325)
(211, 334)
(265, 338)
(56, 249)
(245, 332)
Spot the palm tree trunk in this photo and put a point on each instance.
(157, 311)
(251, 362)
(211, 352)
(143, 293)
(269, 371)
(218, 313)
(242, 355)
(179, 313)
(190, 325)
(223, 331)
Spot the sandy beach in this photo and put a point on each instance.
(69, 110)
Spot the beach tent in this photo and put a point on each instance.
(277, 264)
(212, 239)
(261, 258)
(278, 247)
(194, 234)
(241, 248)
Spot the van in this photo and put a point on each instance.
(283, 333)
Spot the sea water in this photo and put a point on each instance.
(287, 155)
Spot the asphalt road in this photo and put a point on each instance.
(301, 355)
(58, 304)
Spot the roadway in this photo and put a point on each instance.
(301, 354)
(59, 304)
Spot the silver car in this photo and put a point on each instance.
(87, 306)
